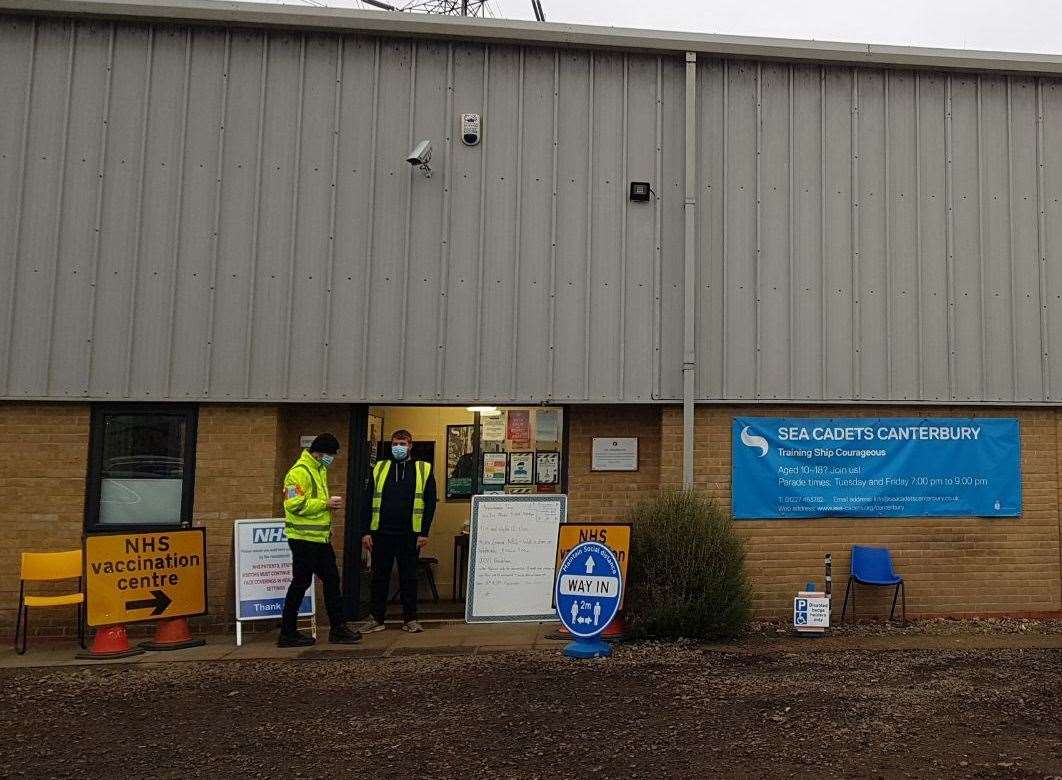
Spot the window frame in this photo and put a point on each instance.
(94, 477)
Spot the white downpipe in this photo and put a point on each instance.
(689, 344)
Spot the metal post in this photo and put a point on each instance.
(357, 472)
(689, 351)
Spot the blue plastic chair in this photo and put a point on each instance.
(873, 566)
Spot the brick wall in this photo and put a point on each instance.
(951, 565)
(235, 478)
(43, 461)
(606, 495)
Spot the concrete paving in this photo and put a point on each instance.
(456, 638)
(438, 638)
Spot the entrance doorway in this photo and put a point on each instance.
(473, 450)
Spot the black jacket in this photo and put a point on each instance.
(396, 509)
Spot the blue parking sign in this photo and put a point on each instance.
(588, 591)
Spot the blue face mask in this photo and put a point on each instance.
(327, 460)
(399, 451)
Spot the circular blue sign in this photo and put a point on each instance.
(588, 589)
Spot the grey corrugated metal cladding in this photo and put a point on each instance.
(201, 213)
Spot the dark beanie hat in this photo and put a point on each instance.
(326, 443)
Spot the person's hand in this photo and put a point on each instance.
(335, 502)
(366, 542)
(422, 542)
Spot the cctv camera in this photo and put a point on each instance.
(421, 154)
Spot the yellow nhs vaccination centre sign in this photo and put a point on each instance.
(145, 576)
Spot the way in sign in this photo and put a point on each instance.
(588, 585)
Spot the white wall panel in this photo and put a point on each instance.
(226, 214)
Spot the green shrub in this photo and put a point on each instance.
(686, 574)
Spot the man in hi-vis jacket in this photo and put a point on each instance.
(308, 511)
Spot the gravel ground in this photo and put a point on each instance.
(653, 711)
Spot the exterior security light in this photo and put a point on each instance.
(640, 191)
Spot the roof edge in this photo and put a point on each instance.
(519, 32)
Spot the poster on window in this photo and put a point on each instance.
(495, 465)
(547, 468)
(521, 468)
(493, 427)
(519, 427)
(547, 426)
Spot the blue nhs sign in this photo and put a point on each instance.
(268, 535)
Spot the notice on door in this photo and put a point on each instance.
(150, 576)
(512, 555)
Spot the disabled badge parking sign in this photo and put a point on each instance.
(588, 591)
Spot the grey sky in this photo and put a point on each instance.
(1003, 25)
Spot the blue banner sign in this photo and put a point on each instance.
(865, 467)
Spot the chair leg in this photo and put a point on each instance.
(431, 583)
(844, 608)
(895, 596)
(18, 623)
(25, 631)
(903, 597)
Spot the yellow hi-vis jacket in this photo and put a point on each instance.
(379, 478)
(306, 513)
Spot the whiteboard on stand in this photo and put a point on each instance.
(512, 558)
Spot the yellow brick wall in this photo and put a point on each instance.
(43, 461)
(235, 479)
(951, 565)
(605, 495)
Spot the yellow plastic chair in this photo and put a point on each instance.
(48, 567)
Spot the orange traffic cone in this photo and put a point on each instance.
(561, 633)
(172, 634)
(110, 642)
(615, 630)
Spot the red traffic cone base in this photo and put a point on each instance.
(110, 642)
(615, 630)
(172, 634)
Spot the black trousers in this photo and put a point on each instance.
(308, 559)
(386, 550)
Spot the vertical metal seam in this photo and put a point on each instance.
(622, 367)
(134, 274)
(444, 250)
(658, 173)
(550, 388)
(1041, 240)
(791, 336)
(823, 224)
(337, 109)
(402, 329)
(370, 225)
(724, 238)
(256, 219)
(296, 172)
(888, 241)
(857, 281)
(589, 227)
(178, 207)
(949, 235)
(889, 385)
(16, 233)
(518, 238)
(919, 258)
(46, 364)
(981, 246)
(1014, 348)
(757, 252)
(216, 232)
(478, 354)
(97, 235)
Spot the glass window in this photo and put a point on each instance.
(142, 470)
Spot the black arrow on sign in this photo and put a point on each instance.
(157, 605)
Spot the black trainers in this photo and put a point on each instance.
(298, 639)
(343, 635)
